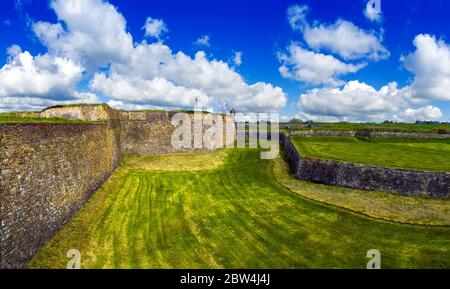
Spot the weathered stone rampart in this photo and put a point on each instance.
(364, 133)
(49, 170)
(323, 133)
(365, 177)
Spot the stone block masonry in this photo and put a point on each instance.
(364, 133)
(363, 177)
(323, 133)
(49, 170)
(139, 132)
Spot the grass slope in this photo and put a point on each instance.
(233, 216)
(416, 154)
(176, 161)
(380, 205)
(390, 127)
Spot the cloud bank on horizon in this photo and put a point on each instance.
(323, 57)
(347, 49)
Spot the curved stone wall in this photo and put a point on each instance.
(323, 133)
(47, 172)
(400, 134)
(364, 177)
(151, 132)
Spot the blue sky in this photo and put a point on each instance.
(262, 33)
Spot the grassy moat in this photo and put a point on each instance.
(239, 211)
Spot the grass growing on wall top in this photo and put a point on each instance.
(381, 127)
(235, 215)
(409, 153)
(12, 119)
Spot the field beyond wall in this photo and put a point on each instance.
(404, 153)
(436, 128)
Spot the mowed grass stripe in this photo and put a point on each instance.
(258, 207)
(252, 222)
(233, 216)
(246, 233)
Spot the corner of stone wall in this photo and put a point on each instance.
(364, 177)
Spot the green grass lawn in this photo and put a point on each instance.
(231, 215)
(389, 127)
(416, 154)
(7, 118)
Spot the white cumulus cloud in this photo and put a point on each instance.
(426, 113)
(154, 27)
(342, 37)
(157, 91)
(312, 67)
(347, 40)
(92, 33)
(154, 75)
(430, 63)
(43, 75)
(95, 33)
(33, 83)
(355, 101)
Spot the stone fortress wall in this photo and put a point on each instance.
(49, 170)
(365, 177)
(140, 132)
(363, 133)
